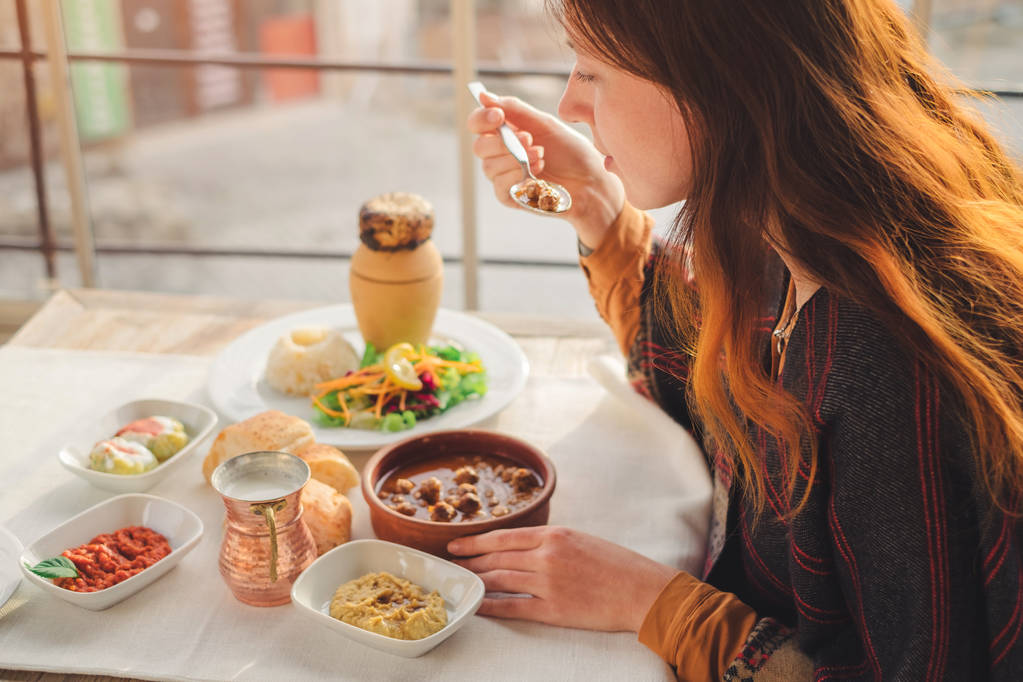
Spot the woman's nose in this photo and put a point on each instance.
(572, 107)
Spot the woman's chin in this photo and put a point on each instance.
(646, 200)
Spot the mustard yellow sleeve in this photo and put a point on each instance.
(614, 272)
(696, 628)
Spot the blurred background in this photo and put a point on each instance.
(245, 180)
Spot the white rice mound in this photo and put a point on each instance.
(307, 356)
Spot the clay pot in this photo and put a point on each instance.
(397, 273)
(433, 536)
(396, 294)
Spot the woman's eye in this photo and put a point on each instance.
(583, 77)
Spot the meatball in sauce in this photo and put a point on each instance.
(457, 488)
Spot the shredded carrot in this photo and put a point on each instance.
(333, 413)
(373, 390)
(373, 381)
(462, 366)
(349, 380)
(382, 400)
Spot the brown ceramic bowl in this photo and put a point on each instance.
(433, 536)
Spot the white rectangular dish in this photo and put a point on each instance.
(181, 527)
(461, 589)
(197, 420)
(10, 578)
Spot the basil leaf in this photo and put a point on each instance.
(57, 567)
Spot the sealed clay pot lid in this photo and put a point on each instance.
(395, 221)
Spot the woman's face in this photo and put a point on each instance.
(635, 125)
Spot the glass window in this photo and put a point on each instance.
(9, 38)
(981, 41)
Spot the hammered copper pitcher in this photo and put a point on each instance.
(266, 543)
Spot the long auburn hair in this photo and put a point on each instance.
(821, 119)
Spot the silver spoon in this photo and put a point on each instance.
(518, 190)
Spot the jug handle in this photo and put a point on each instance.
(269, 510)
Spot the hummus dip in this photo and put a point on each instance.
(390, 606)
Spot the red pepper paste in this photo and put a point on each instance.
(111, 558)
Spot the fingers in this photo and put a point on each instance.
(514, 560)
(491, 144)
(485, 120)
(512, 582)
(523, 608)
(497, 166)
(510, 110)
(498, 540)
(518, 114)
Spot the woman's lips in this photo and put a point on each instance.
(608, 160)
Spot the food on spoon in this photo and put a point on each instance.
(389, 606)
(307, 356)
(106, 560)
(457, 488)
(163, 436)
(539, 194)
(393, 391)
(327, 512)
(120, 456)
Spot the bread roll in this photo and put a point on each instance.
(328, 514)
(271, 430)
(328, 464)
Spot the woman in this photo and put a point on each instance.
(837, 315)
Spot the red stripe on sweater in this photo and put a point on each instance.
(924, 494)
(801, 604)
(842, 543)
(946, 636)
(840, 671)
(785, 588)
(1015, 618)
(777, 502)
(930, 488)
(795, 557)
(823, 379)
(1003, 543)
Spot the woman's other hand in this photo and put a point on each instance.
(556, 153)
(576, 580)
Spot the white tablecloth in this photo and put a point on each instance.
(620, 476)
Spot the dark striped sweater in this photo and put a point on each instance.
(892, 571)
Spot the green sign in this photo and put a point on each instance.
(100, 88)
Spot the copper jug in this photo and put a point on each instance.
(266, 543)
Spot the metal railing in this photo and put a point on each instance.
(463, 68)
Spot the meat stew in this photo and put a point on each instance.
(459, 488)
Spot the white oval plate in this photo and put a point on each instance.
(197, 419)
(180, 526)
(461, 589)
(10, 577)
(238, 388)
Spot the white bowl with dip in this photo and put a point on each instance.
(461, 589)
(181, 527)
(198, 421)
